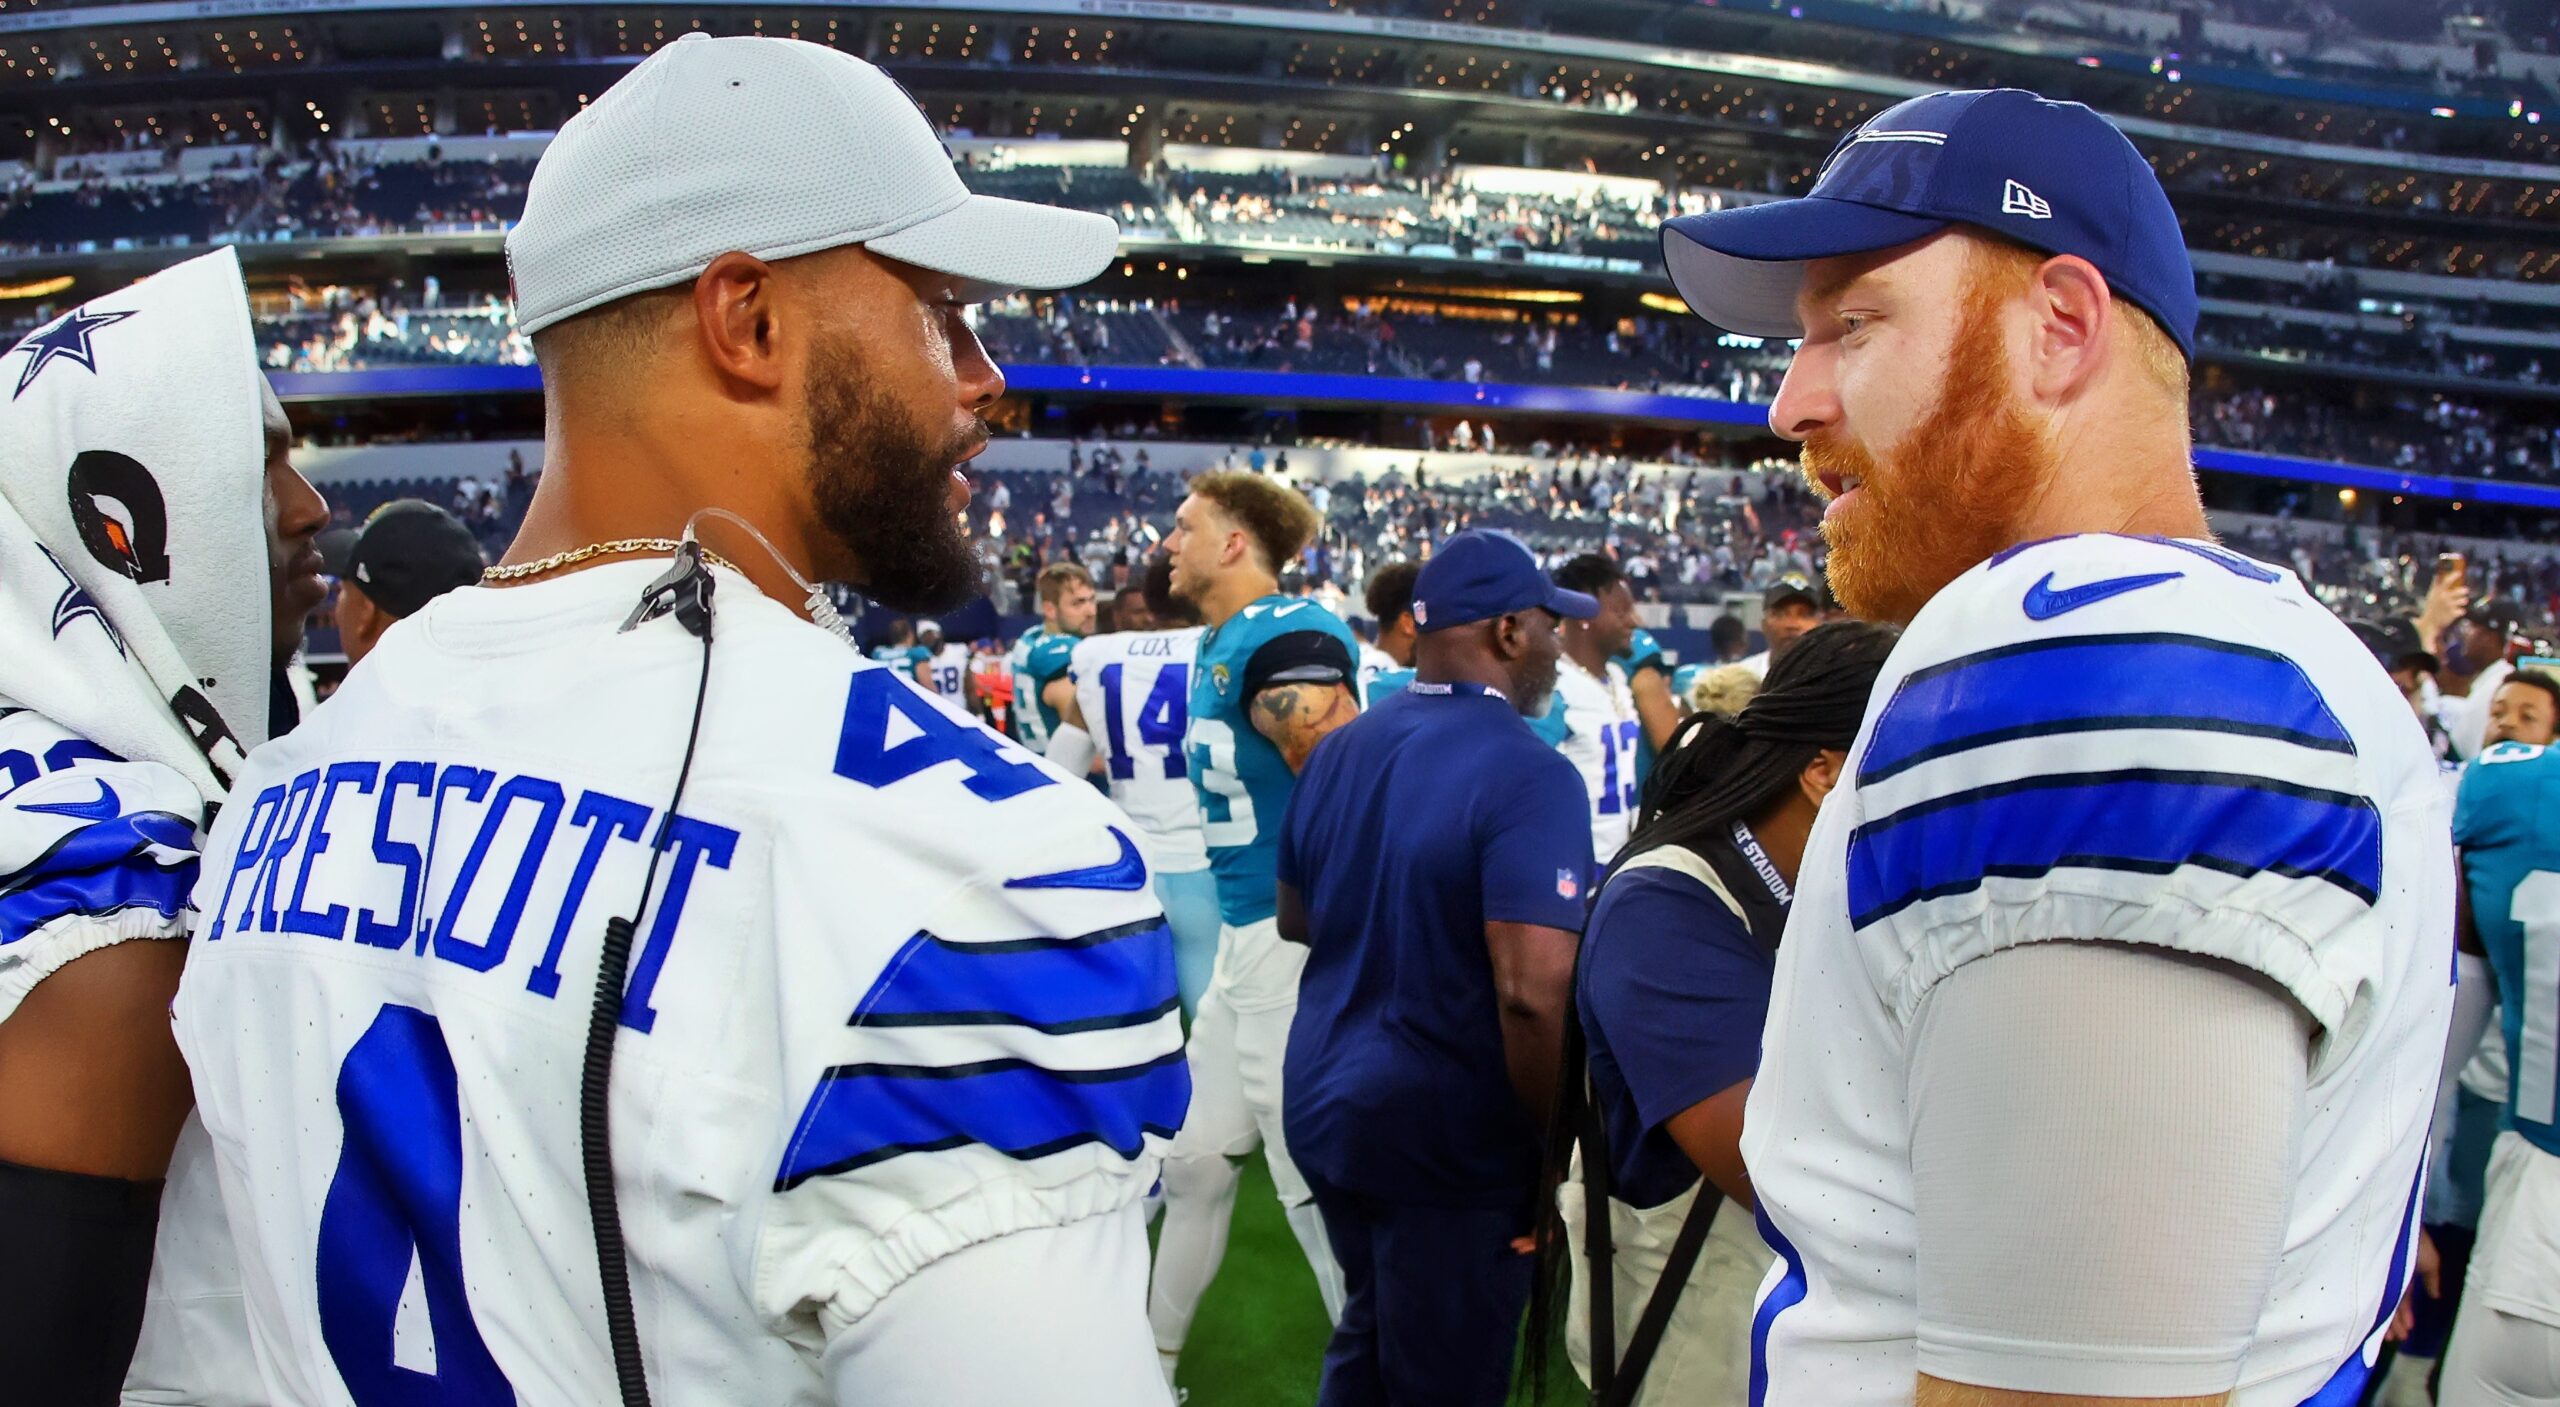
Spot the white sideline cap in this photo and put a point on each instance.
(776, 148)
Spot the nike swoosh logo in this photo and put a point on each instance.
(1278, 612)
(2044, 603)
(1129, 872)
(105, 808)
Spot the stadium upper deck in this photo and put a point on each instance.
(2376, 212)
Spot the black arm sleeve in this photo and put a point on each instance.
(1299, 657)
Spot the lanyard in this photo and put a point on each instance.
(1749, 845)
(1444, 691)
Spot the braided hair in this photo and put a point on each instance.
(1714, 772)
(1718, 770)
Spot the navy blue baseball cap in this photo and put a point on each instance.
(2050, 175)
(1483, 573)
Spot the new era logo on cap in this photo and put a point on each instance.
(2016, 199)
(2052, 176)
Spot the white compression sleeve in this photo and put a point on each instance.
(1055, 1316)
(2474, 1005)
(1072, 749)
(2103, 1147)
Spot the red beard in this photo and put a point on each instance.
(1951, 495)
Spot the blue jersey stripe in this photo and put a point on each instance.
(2096, 683)
(1119, 977)
(101, 869)
(865, 1114)
(138, 883)
(2147, 822)
(1783, 1296)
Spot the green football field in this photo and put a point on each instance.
(1259, 1340)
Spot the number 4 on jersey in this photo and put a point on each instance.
(891, 733)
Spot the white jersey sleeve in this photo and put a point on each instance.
(94, 850)
(2122, 739)
(1134, 689)
(1005, 1067)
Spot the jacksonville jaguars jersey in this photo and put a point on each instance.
(1243, 781)
(902, 988)
(94, 850)
(948, 668)
(2111, 739)
(1643, 653)
(1134, 689)
(2508, 825)
(1036, 659)
(1683, 680)
(1602, 735)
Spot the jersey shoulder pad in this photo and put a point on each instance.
(2500, 798)
(1274, 616)
(2128, 739)
(1049, 656)
(1643, 652)
(87, 835)
(1550, 726)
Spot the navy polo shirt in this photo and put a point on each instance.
(1413, 826)
(1673, 992)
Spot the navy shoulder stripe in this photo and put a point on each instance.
(2097, 683)
(2142, 821)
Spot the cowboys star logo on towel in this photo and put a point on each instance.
(66, 340)
(76, 604)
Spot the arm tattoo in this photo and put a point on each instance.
(1295, 717)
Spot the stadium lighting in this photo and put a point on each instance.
(2347, 499)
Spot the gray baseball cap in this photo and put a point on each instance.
(776, 148)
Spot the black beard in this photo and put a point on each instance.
(884, 493)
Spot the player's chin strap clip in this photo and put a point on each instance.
(684, 588)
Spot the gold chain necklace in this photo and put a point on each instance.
(618, 547)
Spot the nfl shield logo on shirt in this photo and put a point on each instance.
(1567, 887)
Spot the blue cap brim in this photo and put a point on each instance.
(1572, 605)
(1742, 268)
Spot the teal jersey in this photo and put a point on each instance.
(2507, 822)
(1243, 781)
(1549, 726)
(1643, 653)
(1681, 681)
(895, 654)
(1038, 659)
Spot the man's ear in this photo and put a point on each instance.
(737, 311)
(2074, 322)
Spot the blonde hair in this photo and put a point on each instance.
(1725, 690)
(1277, 517)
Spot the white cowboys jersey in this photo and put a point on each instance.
(94, 850)
(2129, 740)
(1602, 731)
(949, 670)
(1135, 691)
(902, 988)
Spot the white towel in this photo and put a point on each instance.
(134, 596)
